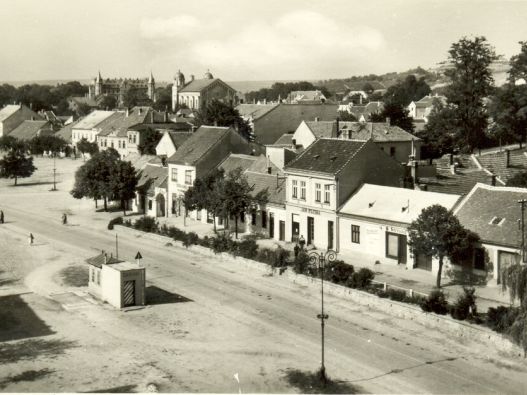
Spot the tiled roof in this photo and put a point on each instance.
(233, 161)
(8, 110)
(496, 163)
(285, 139)
(326, 156)
(140, 161)
(178, 138)
(300, 96)
(84, 100)
(274, 186)
(119, 122)
(261, 165)
(198, 85)
(323, 128)
(152, 176)
(377, 131)
(493, 213)
(65, 132)
(29, 129)
(173, 126)
(394, 204)
(93, 119)
(98, 260)
(198, 144)
(254, 111)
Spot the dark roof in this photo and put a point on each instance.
(175, 126)
(98, 260)
(198, 85)
(285, 139)
(233, 161)
(493, 213)
(255, 111)
(29, 129)
(198, 144)
(178, 138)
(119, 122)
(326, 156)
(496, 163)
(150, 177)
(274, 186)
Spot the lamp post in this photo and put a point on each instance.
(54, 173)
(319, 260)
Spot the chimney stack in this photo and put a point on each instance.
(269, 170)
(317, 119)
(105, 258)
(507, 158)
(293, 141)
(493, 180)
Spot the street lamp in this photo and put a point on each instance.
(319, 260)
(54, 173)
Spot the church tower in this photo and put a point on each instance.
(179, 82)
(98, 85)
(151, 88)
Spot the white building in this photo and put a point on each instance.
(87, 128)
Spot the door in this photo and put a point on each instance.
(198, 215)
(402, 249)
(160, 206)
(295, 228)
(330, 235)
(281, 231)
(129, 293)
(310, 230)
(423, 262)
(271, 225)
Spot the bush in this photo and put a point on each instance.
(115, 221)
(501, 318)
(435, 303)
(128, 223)
(146, 224)
(221, 243)
(301, 263)
(400, 295)
(205, 242)
(190, 238)
(338, 272)
(361, 279)
(276, 258)
(247, 248)
(465, 306)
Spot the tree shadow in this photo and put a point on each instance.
(32, 349)
(156, 295)
(28, 375)
(19, 321)
(310, 383)
(123, 389)
(34, 183)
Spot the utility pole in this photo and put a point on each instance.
(116, 247)
(54, 173)
(522, 204)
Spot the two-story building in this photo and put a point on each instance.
(87, 127)
(322, 178)
(12, 115)
(421, 109)
(197, 156)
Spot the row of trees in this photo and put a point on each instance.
(282, 90)
(225, 196)
(105, 176)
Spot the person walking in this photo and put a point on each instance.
(1, 217)
(30, 239)
(302, 242)
(64, 219)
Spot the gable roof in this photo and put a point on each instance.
(151, 177)
(486, 203)
(93, 119)
(197, 145)
(285, 139)
(178, 138)
(326, 156)
(29, 129)
(376, 131)
(65, 132)
(199, 85)
(254, 111)
(233, 161)
(119, 122)
(99, 260)
(274, 186)
(8, 110)
(261, 165)
(393, 204)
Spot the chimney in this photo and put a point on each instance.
(164, 161)
(140, 110)
(317, 119)
(493, 180)
(269, 170)
(388, 121)
(507, 158)
(105, 258)
(293, 141)
(191, 77)
(451, 159)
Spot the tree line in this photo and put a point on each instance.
(282, 89)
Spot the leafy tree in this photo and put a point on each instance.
(508, 110)
(11, 143)
(149, 140)
(282, 90)
(518, 64)
(85, 147)
(406, 91)
(514, 279)
(108, 102)
(16, 165)
(47, 143)
(347, 117)
(237, 195)
(518, 180)
(438, 233)
(439, 135)
(83, 109)
(163, 98)
(123, 182)
(470, 82)
(368, 88)
(221, 114)
(397, 114)
(136, 97)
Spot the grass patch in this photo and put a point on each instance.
(310, 383)
(75, 276)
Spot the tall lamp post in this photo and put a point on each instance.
(54, 173)
(319, 260)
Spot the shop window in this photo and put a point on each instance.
(355, 234)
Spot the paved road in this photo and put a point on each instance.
(372, 350)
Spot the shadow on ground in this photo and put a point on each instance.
(75, 276)
(29, 184)
(115, 390)
(19, 321)
(310, 383)
(29, 375)
(156, 295)
(32, 349)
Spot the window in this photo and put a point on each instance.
(150, 204)
(392, 245)
(327, 193)
(303, 190)
(355, 234)
(253, 218)
(124, 143)
(174, 175)
(318, 193)
(392, 151)
(295, 188)
(264, 219)
(98, 275)
(479, 259)
(188, 177)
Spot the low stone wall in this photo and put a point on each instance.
(402, 310)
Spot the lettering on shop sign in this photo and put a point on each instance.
(393, 229)
(310, 211)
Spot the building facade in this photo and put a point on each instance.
(12, 115)
(119, 87)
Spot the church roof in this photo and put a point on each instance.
(198, 85)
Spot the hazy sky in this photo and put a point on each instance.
(245, 39)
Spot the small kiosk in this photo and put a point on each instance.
(120, 283)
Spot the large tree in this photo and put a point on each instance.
(16, 165)
(149, 140)
(11, 143)
(439, 134)
(470, 82)
(396, 114)
(108, 102)
(406, 91)
(85, 147)
(437, 233)
(518, 64)
(514, 279)
(47, 143)
(123, 183)
(508, 111)
(217, 113)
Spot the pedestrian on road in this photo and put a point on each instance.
(64, 219)
(301, 241)
(31, 238)
(1, 217)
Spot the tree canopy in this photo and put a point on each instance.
(16, 165)
(149, 140)
(397, 114)
(406, 91)
(217, 113)
(282, 90)
(85, 147)
(437, 233)
(46, 143)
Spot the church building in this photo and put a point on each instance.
(197, 93)
(118, 87)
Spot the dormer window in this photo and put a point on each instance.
(498, 221)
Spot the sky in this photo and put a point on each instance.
(244, 40)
